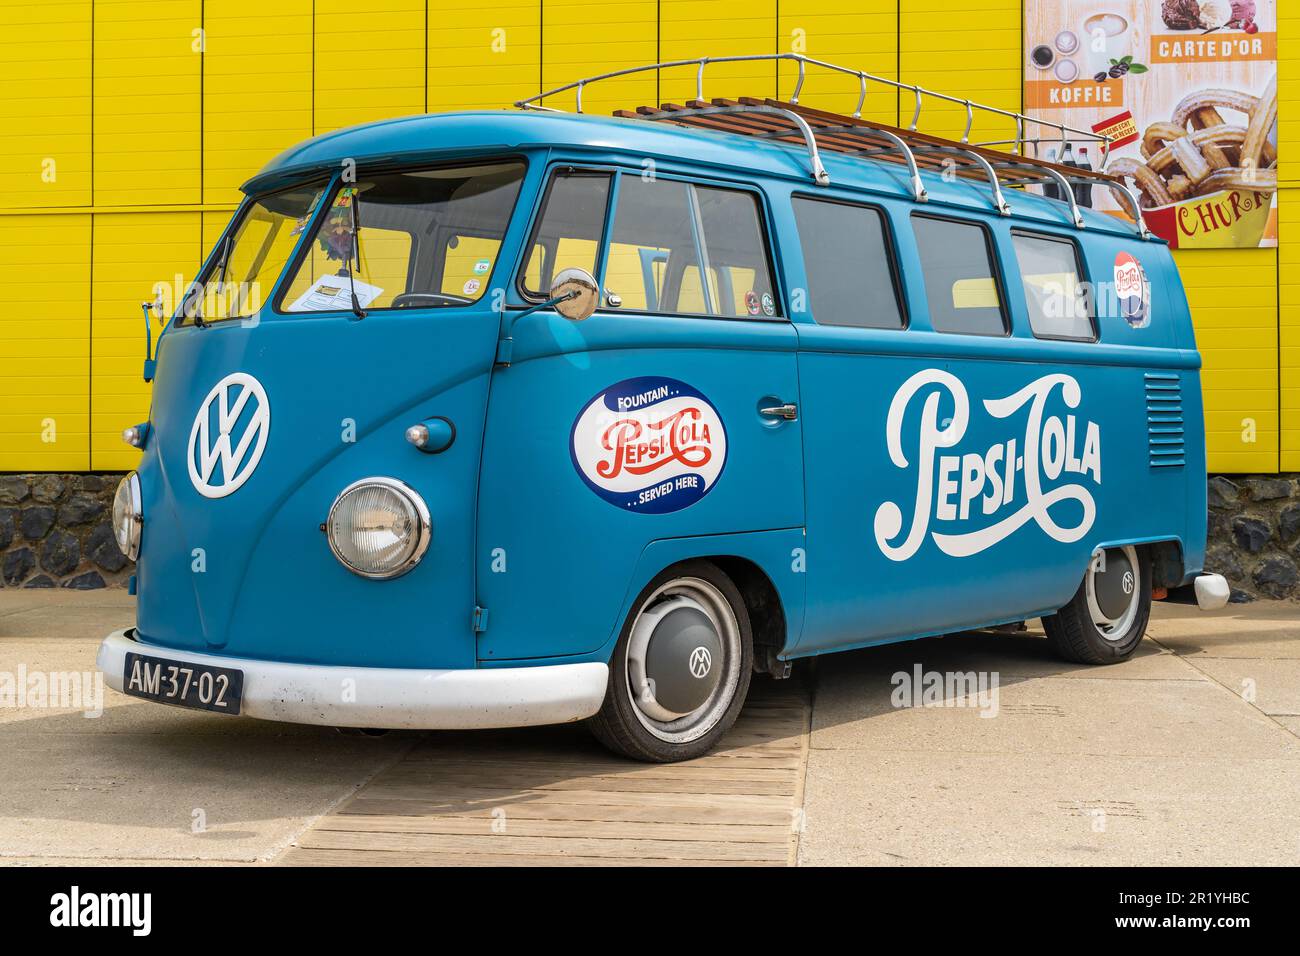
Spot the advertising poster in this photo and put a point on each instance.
(1187, 89)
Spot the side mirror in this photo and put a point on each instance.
(575, 294)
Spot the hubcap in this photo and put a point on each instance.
(1113, 589)
(683, 660)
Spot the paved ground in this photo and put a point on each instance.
(1189, 753)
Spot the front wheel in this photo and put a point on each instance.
(680, 672)
(1105, 620)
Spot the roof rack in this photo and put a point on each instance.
(817, 130)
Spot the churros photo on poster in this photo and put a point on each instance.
(1187, 93)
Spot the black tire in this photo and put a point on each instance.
(621, 726)
(1075, 635)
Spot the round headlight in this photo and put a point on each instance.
(128, 517)
(378, 527)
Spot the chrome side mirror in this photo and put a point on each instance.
(575, 294)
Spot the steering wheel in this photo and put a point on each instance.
(409, 299)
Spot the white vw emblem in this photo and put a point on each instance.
(1127, 582)
(229, 399)
(701, 661)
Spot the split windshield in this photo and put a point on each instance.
(411, 239)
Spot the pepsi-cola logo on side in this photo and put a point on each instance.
(652, 445)
(1132, 290)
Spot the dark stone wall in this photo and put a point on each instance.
(55, 531)
(1254, 534)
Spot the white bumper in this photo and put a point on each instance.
(1212, 591)
(389, 697)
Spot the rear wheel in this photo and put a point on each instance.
(1105, 620)
(680, 672)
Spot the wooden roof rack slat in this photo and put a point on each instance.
(791, 123)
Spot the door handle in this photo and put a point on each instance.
(787, 412)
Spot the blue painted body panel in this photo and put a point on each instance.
(516, 528)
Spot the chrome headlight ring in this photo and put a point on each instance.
(128, 516)
(338, 533)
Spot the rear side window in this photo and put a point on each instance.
(960, 284)
(848, 264)
(1054, 290)
(568, 232)
(684, 249)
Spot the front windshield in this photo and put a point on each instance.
(425, 238)
(250, 258)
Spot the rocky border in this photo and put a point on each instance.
(55, 531)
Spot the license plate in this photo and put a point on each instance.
(218, 689)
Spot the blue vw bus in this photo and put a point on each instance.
(494, 419)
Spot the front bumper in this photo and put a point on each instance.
(388, 697)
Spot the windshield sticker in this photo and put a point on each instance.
(482, 267)
(334, 294)
(651, 445)
(1133, 291)
(471, 286)
(751, 302)
(982, 486)
(769, 307)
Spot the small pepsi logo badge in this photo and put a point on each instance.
(651, 445)
(1132, 290)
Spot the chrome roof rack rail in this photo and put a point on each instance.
(818, 130)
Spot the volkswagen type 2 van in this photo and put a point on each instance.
(515, 418)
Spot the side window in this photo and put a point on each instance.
(960, 286)
(668, 234)
(848, 263)
(736, 259)
(1054, 290)
(569, 229)
(653, 246)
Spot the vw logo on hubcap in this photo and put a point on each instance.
(701, 662)
(238, 410)
(1127, 582)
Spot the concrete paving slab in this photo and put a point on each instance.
(135, 783)
(1272, 686)
(1268, 629)
(936, 808)
(83, 622)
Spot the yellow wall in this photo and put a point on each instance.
(126, 127)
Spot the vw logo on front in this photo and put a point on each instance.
(229, 430)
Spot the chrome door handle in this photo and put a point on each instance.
(787, 412)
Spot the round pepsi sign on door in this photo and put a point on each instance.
(652, 445)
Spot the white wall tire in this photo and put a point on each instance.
(653, 721)
(1106, 619)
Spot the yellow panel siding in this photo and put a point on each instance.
(45, 341)
(1233, 295)
(480, 57)
(369, 61)
(45, 109)
(133, 253)
(970, 51)
(576, 45)
(257, 88)
(1288, 95)
(696, 28)
(1288, 205)
(861, 35)
(148, 74)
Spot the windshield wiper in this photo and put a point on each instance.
(199, 321)
(359, 312)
